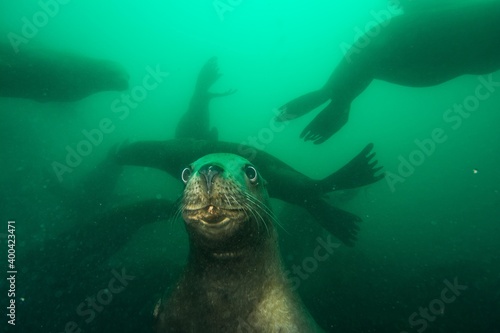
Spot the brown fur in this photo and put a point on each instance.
(234, 280)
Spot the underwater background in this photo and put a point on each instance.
(437, 227)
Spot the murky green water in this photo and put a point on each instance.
(429, 237)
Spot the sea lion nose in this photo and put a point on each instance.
(210, 171)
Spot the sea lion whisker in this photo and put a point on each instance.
(178, 212)
(264, 222)
(234, 199)
(265, 209)
(254, 208)
(257, 204)
(227, 199)
(252, 211)
(230, 257)
(177, 215)
(275, 219)
(245, 211)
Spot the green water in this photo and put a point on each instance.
(438, 221)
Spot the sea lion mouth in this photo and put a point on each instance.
(212, 216)
(215, 222)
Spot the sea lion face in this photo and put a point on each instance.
(225, 202)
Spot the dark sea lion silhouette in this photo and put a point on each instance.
(50, 76)
(94, 193)
(416, 49)
(195, 122)
(284, 182)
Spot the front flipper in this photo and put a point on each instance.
(340, 223)
(226, 93)
(209, 73)
(302, 105)
(328, 122)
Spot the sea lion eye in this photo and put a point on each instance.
(186, 173)
(251, 173)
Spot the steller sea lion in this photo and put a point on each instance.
(284, 182)
(194, 124)
(94, 192)
(234, 278)
(50, 76)
(416, 49)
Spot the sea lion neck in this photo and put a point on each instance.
(259, 263)
(260, 250)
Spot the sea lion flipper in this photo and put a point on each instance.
(302, 105)
(152, 154)
(121, 222)
(328, 122)
(360, 171)
(340, 223)
(223, 94)
(209, 73)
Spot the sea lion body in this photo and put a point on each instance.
(94, 193)
(423, 49)
(49, 76)
(284, 182)
(234, 280)
(416, 49)
(195, 122)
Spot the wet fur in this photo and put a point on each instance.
(234, 278)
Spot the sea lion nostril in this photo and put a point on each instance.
(233, 253)
(209, 171)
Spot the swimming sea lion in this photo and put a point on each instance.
(48, 76)
(76, 263)
(194, 123)
(95, 191)
(416, 49)
(284, 182)
(234, 278)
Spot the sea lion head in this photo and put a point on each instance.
(225, 204)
